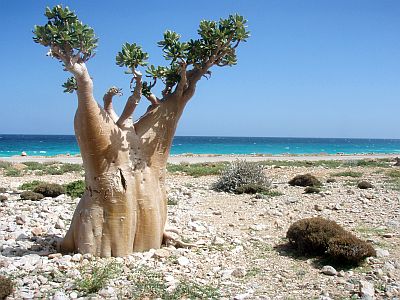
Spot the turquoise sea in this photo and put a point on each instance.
(50, 145)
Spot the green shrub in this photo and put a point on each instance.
(251, 188)
(12, 172)
(318, 236)
(49, 189)
(242, 177)
(3, 198)
(75, 188)
(147, 284)
(348, 174)
(197, 170)
(29, 195)
(4, 164)
(311, 190)
(6, 287)
(31, 185)
(364, 185)
(34, 165)
(305, 180)
(93, 278)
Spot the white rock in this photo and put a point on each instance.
(183, 261)
(367, 290)
(77, 257)
(59, 224)
(73, 295)
(381, 252)
(162, 253)
(60, 296)
(218, 241)
(329, 270)
(197, 227)
(258, 227)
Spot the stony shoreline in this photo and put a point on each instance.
(201, 158)
(238, 240)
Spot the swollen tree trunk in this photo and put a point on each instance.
(124, 207)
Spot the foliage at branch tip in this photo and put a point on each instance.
(68, 38)
(70, 85)
(216, 46)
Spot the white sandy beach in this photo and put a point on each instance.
(201, 158)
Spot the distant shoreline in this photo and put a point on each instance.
(203, 158)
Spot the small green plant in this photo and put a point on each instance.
(12, 172)
(29, 195)
(31, 185)
(75, 188)
(305, 180)
(94, 277)
(49, 189)
(4, 164)
(33, 165)
(171, 201)
(148, 284)
(348, 174)
(197, 170)
(318, 236)
(242, 177)
(6, 287)
(393, 180)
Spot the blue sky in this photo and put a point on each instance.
(314, 68)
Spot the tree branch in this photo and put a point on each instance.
(132, 101)
(153, 100)
(108, 107)
(183, 81)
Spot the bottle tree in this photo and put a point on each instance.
(124, 207)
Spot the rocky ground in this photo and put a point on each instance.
(238, 238)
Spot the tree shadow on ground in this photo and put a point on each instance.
(317, 261)
(42, 245)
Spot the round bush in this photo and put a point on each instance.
(242, 177)
(29, 195)
(6, 287)
(49, 189)
(319, 236)
(364, 185)
(347, 248)
(75, 188)
(311, 235)
(305, 180)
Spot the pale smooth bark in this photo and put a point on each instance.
(124, 207)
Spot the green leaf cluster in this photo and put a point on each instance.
(216, 45)
(66, 33)
(131, 56)
(70, 85)
(173, 49)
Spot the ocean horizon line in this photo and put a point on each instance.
(51, 145)
(223, 136)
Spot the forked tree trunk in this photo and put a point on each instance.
(124, 207)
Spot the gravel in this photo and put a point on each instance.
(240, 241)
